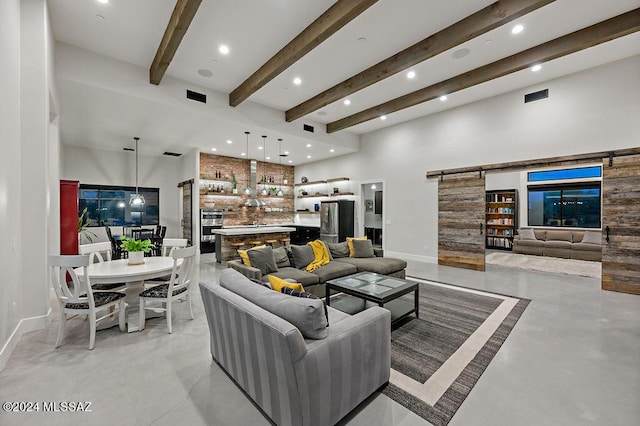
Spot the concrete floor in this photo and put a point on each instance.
(572, 359)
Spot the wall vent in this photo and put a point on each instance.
(536, 96)
(307, 128)
(171, 154)
(129, 149)
(200, 97)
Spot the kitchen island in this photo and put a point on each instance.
(228, 239)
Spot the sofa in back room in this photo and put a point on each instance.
(290, 263)
(569, 244)
(279, 350)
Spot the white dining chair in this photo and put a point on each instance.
(100, 252)
(176, 288)
(168, 244)
(75, 297)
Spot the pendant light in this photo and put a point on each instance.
(280, 192)
(264, 161)
(247, 190)
(137, 199)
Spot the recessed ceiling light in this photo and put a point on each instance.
(308, 156)
(411, 74)
(461, 53)
(223, 49)
(286, 153)
(214, 149)
(290, 161)
(243, 154)
(308, 145)
(101, 18)
(205, 73)
(443, 98)
(229, 141)
(259, 147)
(361, 40)
(297, 81)
(383, 117)
(373, 186)
(347, 102)
(332, 150)
(517, 29)
(268, 158)
(103, 1)
(536, 68)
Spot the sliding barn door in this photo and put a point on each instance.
(621, 221)
(461, 215)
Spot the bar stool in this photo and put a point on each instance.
(270, 242)
(255, 243)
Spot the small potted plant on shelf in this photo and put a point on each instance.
(302, 192)
(273, 190)
(84, 235)
(234, 183)
(136, 249)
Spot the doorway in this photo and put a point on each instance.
(186, 218)
(373, 223)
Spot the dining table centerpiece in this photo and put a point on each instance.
(136, 249)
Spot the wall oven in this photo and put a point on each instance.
(210, 219)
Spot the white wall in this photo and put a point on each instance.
(99, 167)
(10, 221)
(29, 169)
(593, 110)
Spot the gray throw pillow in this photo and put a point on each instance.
(301, 256)
(296, 293)
(281, 257)
(362, 248)
(592, 237)
(262, 259)
(527, 234)
(338, 250)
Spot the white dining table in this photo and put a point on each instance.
(118, 271)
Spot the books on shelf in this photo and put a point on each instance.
(499, 198)
(501, 210)
(506, 243)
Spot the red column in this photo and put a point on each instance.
(69, 216)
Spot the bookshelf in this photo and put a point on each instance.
(501, 218)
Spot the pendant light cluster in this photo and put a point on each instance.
(280, 192)
(137, 199)
(247, 189)
(264, 161)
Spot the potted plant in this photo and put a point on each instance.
(302, 192)
(273, 190)
(234, 183)
(136, 249)
(84, 235)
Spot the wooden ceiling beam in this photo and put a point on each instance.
(334, 18)
(602, 32)
(481, 22)
(181, 18)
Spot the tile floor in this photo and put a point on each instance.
(572, 359)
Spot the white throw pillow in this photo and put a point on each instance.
(527, 234)
(592, 237)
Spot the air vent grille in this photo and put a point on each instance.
(307, 128)
(171, 154)
(128, 149)
(536, 96)
(200, 97)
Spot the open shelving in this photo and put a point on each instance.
(501, 218)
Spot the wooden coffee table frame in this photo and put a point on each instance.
(389, 299)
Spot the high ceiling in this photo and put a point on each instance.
(255, 30)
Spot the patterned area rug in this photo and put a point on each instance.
(556, 265)
(437, 359)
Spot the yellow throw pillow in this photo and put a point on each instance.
(352, 252)
(245, 256)
(278, 283)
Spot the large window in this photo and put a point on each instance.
(109, 205)
(565, 198)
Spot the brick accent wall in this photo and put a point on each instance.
(216, 190)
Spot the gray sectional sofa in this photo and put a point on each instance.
(295, 380)
(291, 263)
(582, 245)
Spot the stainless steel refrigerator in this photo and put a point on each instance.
(336, 220)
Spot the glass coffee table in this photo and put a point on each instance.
(380, 289)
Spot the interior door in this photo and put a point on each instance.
(187, 217)
(461, 215)
(621, 224)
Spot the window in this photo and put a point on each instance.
(109, 205)
(565, 198)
